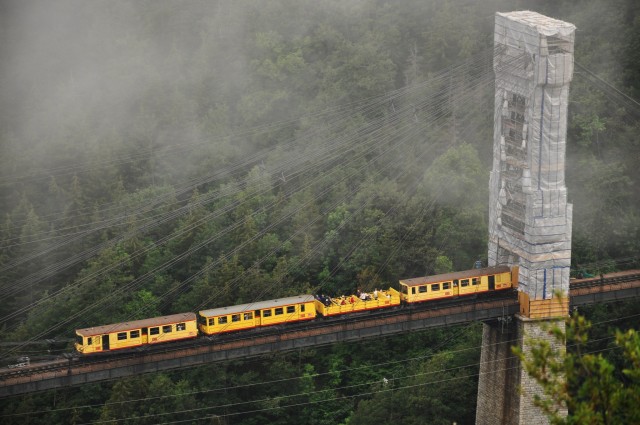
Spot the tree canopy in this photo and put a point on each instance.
(594, 387)
(161, 157)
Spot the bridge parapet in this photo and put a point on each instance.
(556, 307)
(69, 372)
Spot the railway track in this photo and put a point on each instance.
(72, 360)
(71, 364)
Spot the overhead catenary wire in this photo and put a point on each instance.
(620, 96)
(320, 374)
(590, 73)
(315, 249)
(385, 97)
(347, 387)
(89, 307)
(262, 155)
(344, 397)
(254, 384)
(427, 373)
(34, 257)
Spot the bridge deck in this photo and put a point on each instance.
(61, 373)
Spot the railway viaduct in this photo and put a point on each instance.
(529, 227)
(497, 312)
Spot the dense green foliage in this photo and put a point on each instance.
(161, 157)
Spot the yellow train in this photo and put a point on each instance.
(136, 333)
(166, 329)
(456, 284)
(328, 306)
(263, 313)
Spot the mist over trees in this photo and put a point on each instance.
(161, 156)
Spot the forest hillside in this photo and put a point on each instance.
(162, 156)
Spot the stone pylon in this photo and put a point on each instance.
(529, 217)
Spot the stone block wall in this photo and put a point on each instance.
(505, 390)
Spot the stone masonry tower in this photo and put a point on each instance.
(529, 217)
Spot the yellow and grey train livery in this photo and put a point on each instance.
(298, 308)
(119, 336)
(449, 285)
(262, 313)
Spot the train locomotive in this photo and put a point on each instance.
(238, 318)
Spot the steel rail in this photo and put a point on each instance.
(322, 331)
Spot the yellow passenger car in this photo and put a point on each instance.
(348, 304)
(455, 284)
(262, 313)
(119, 336)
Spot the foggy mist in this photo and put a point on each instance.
(161, 156)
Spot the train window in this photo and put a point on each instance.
(181, 326)
(89, 341)
(212, 322)
(302, 307)
(235, 318)
(154, 331)
(167, 329)
(134, 334)
(475, 281)
(291, 309)
(404, 289)
(257, 313)
(221, 320)
(248, 316)
(266, 313)
(279, 311)
(422, 289)
(446, 285)
(435, 287)
(122, 335)
(455, 283)
(464, 282)
(79, 339)
(413, 290)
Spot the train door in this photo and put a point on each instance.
(492, 282)
(145, 337)
(105, 342)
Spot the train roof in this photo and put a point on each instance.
(137, 324)
(298, 299)
(455, 275)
